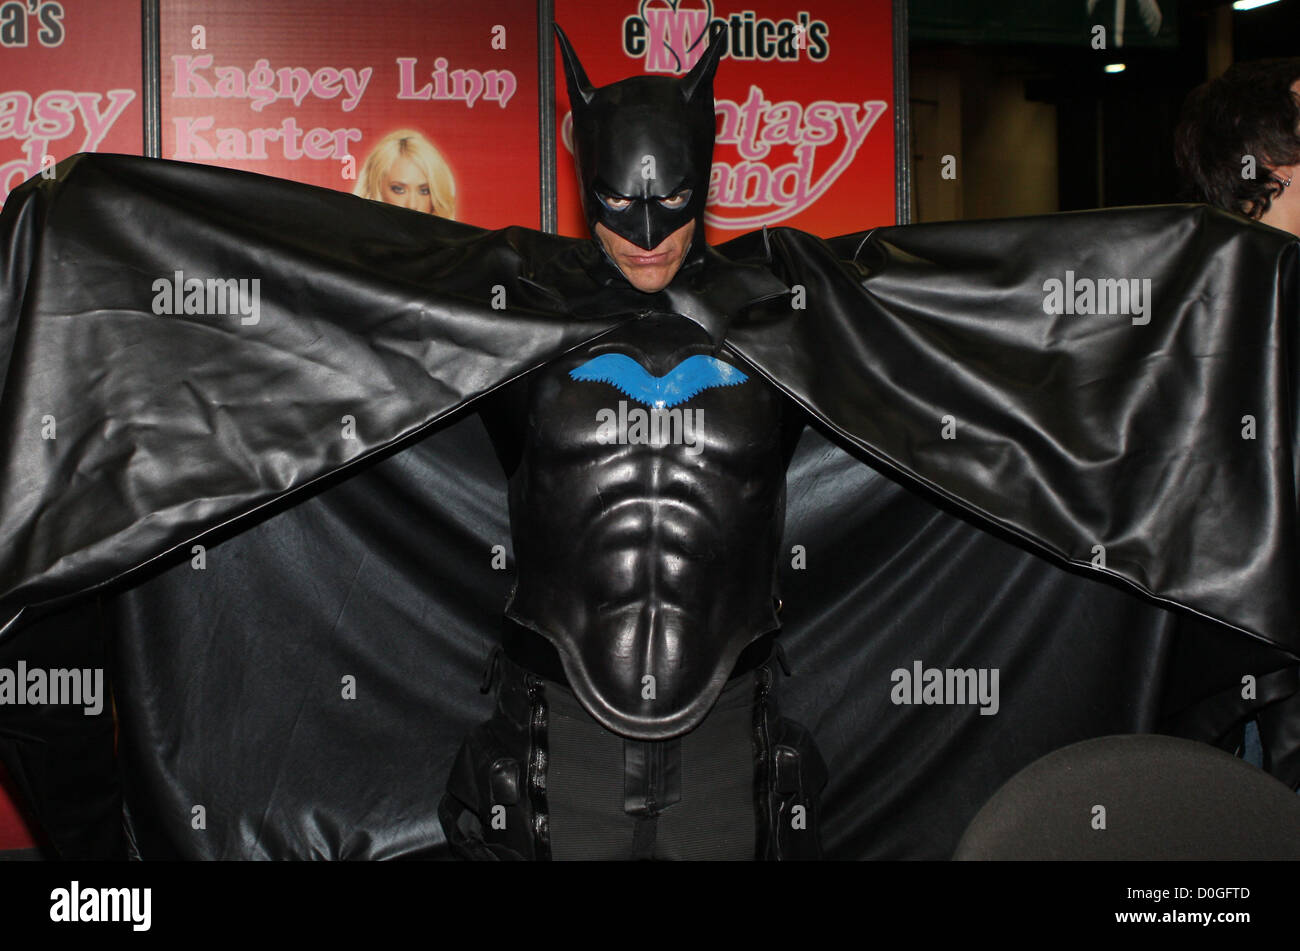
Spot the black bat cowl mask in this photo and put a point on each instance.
(644, 148)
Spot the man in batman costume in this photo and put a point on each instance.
(647, 494)
(289, 651)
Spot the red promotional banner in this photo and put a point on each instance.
(430, 105)
(804, 103)
(69, 82)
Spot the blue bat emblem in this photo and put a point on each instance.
(693, 375)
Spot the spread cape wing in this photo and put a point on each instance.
(1039, 488)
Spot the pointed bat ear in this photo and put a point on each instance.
(700, 79)
(575, 78)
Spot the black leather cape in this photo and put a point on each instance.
(1103, 508)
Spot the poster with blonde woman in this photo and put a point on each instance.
(404, 168)
(400, 102)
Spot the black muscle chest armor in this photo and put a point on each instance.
(647, 501)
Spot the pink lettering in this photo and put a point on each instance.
(675, 38)
(189, 83)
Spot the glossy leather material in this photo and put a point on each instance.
(645, 551)
(1074, 437)
(788, 778)
(644, 139)
(495, 805)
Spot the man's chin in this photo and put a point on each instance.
(648, 280)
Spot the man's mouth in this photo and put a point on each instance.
(649, 260)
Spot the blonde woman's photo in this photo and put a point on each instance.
(405, 168)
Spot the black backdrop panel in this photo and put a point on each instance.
(232, 682)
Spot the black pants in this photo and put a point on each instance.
(543, 780)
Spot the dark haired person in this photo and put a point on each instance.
(1238, 142)
(1238, 148)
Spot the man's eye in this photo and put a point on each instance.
(673, 202)
(614, 203)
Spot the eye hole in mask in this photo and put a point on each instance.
(672, 202)
(678, 200)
